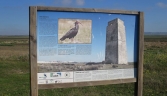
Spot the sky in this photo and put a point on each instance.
(98, 44)
(14, 14)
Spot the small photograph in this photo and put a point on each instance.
(74, 31)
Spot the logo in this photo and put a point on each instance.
(58, 74)
(41, 82)
(44, 76)
(67, 75)
(46, 81)
(51, 81)
(58, 81)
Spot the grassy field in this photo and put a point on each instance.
(155, 38)
(14, 73)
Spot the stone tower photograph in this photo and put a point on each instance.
(116, 50)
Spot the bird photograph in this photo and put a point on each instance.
(74, 31)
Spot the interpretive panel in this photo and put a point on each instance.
(81, 47)
(74, 47)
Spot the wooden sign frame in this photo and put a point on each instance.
(33, 50)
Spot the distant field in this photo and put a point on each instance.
(14, 40)
(155, 38)
(17, 37)
(15, 73)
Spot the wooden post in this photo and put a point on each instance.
(33, 51)
(140, 58)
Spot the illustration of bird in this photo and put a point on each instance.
(45, 75)
(72, 32)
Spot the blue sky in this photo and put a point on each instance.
(14, 16)
(99, 24)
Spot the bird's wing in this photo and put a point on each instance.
(69, 32)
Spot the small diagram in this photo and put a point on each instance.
(74, 31)
(56, 74)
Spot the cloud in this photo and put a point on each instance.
(162, 5)
(66, 2)
(80, 2)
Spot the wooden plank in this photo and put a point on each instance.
(141, 52)
(42, 8)
(90, 83)
(33, 50)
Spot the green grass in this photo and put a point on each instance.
(15, 81)
(104, 90)
(14, 78)
(155, 75)
(6, 44)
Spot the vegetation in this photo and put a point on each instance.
(155, 38)
(14, 73)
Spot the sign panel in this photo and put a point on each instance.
(72, 47)
(80, 47)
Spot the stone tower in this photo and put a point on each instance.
(116, 52)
